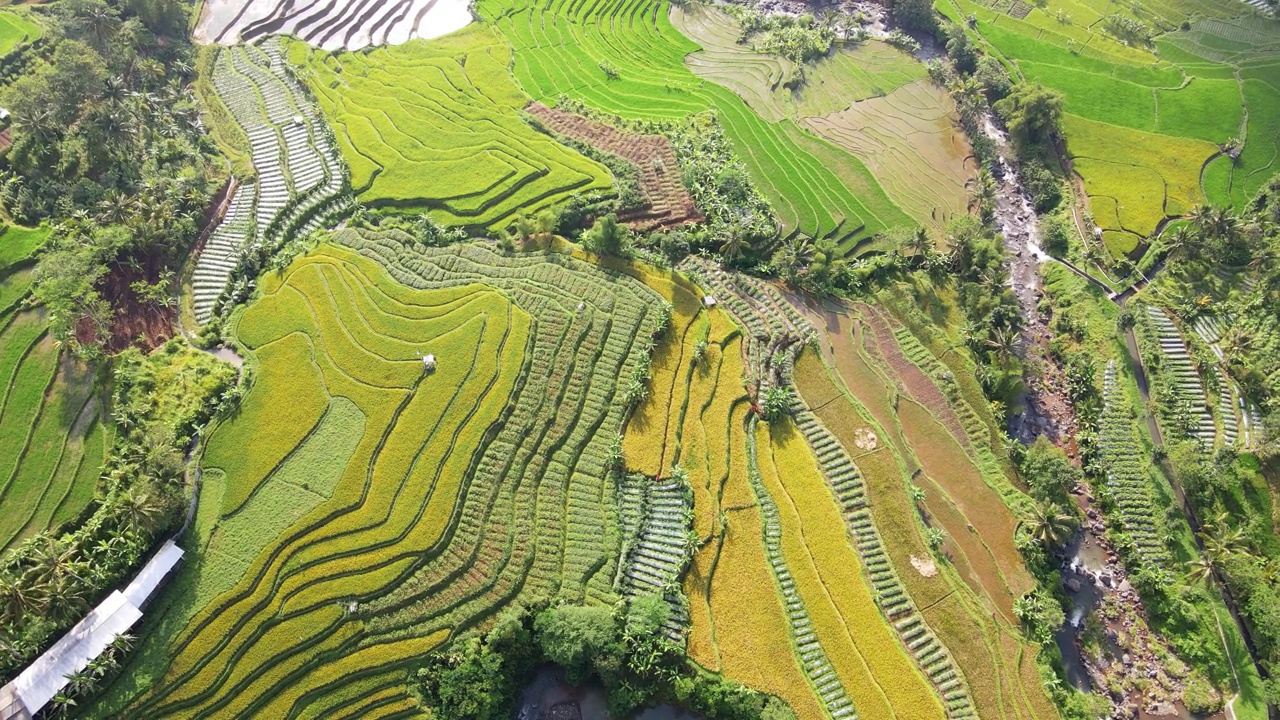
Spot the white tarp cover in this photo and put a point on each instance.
(330, 24)
(46, 677)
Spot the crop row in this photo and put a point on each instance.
(762, 309)
(1176, 368)
(392, 497)
(561, 47)
(300, 176)
(657, 518)
(1239, 416)
(810, 652)
(51, 445)
(523, 525)
(423, 132)
(1127, 480)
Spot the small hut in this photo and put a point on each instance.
(429, 362)
(709, 300)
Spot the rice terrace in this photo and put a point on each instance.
(640, 359)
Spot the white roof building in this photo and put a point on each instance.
(47, 676)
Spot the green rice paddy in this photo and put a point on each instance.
(16, 28)
(815, 187)
(437, 127)
(52, 445)
(1154, 101)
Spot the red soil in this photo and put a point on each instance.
(667, 203)
(135, 321)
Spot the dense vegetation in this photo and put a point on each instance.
(107, 137)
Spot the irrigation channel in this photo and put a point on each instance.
(1091, 570)
(550, 697)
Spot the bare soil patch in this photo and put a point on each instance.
(667, 203)
(918, 385)
(134, 320)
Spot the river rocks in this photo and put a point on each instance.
(1073, 585)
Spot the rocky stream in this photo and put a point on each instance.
(1106, 643)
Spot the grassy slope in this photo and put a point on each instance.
(16, 28)
(19, 244)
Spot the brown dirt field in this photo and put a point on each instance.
(989, 545)
(668, 204)
(6, 140)
(931, 435)
(878, 328)
(135, 322)
(985, 649)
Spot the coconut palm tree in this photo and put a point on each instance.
(1050, 525)
(140, 511)
(1004, 343)
(985, 195)
(735, 241)
(18, 598)
(1199, 569)
(1181, 243)
(920, 243)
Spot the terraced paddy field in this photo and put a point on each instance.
(561, 48)
(870, 99)
(869, 394)
(388, 505)
(1134, 180)
(799, 483)
(1244, 49)
(332, 26)
(866, 70)
(1148, 103)
(437, 127)
(666, 202)
(52, 444)
(912, 144)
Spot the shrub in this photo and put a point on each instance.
(1044, 186)
(1200, 697)
(1055, 234)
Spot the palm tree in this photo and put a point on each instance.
(54, 560)
(1200, 217)
(1049, 525)
(18, 598)
(985, 194)
(735, 241)
(140, 511)
(100, 24)
(920, 243)
(1200, 569)
(1004, 343)
(1181, 242)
